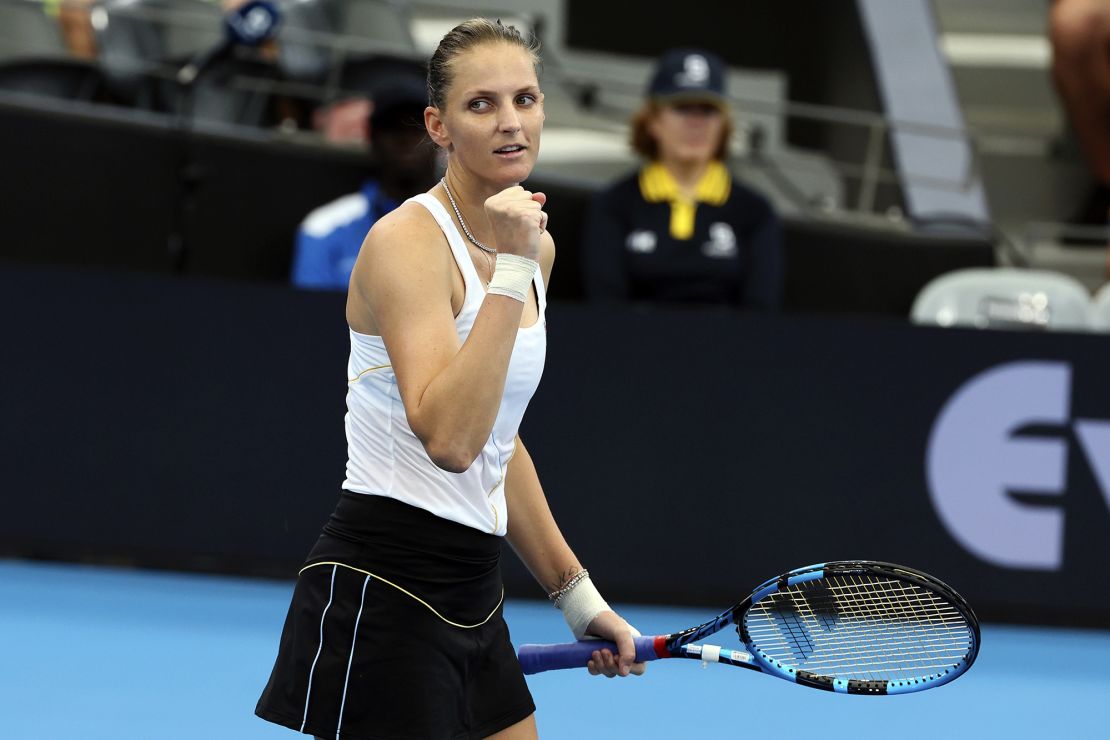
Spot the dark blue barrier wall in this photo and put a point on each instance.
(687, 454)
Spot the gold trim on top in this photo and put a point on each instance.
(367, 370)
(412, 595)
(503, 470)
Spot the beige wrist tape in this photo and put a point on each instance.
(580, 605)
(512, 276)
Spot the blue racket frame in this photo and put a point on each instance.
(537, 658)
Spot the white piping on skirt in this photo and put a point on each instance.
(351, 658)
(308, 694)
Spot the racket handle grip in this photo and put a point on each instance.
(540, 658)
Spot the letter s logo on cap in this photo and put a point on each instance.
(695, 71)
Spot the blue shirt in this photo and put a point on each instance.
(330, 237)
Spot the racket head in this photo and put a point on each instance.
(860, 627)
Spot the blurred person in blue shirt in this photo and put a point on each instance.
(330, 237)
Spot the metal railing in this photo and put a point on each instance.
(609, 101)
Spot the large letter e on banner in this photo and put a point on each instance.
(974, 462)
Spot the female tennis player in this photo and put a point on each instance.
(395, 628)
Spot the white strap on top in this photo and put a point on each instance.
(541, 292)
(474, 285)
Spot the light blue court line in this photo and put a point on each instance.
(104, 654)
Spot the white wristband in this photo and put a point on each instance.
(580, 606)
(512, 276)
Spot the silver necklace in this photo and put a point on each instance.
(462, 221)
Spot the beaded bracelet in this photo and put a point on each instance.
(559, 593)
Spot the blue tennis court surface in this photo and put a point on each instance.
(99, 653)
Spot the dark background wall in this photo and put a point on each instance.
(197, 423)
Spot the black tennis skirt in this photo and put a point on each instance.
(395, 630)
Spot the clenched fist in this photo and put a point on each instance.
(517, 219)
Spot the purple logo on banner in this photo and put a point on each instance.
(974, 462)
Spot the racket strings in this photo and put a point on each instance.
(919, 614)
(861, 653)
(860, 627)
(903, 626)
(878, 639)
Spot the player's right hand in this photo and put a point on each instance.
(608, 625)
(517, 220)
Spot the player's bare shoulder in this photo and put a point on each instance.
(410, 225)
(405, 239)
(405, 250)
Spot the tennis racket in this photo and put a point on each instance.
(853, 627)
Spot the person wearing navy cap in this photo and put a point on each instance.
(682, 229)
(329, 239)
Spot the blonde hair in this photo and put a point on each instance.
(466, 36)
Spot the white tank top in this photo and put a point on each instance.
(385, 458)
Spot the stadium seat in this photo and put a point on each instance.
(1100, 309)
(1004, 298)
(64, 79)
(145, 42)
(303, 54)
(383, 24)
(26, 32)
(34, 58)
(317, 34)
(142, 41)
(306, 48)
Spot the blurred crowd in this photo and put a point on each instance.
(301, 76)
(680, 228)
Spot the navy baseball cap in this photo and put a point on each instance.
(689, 74)
(399, 103)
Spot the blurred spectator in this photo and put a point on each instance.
(1080, 33)
(73, 19)
(682, 229)
(344, 121)
(330, 237)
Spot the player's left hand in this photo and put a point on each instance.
(609, 626)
